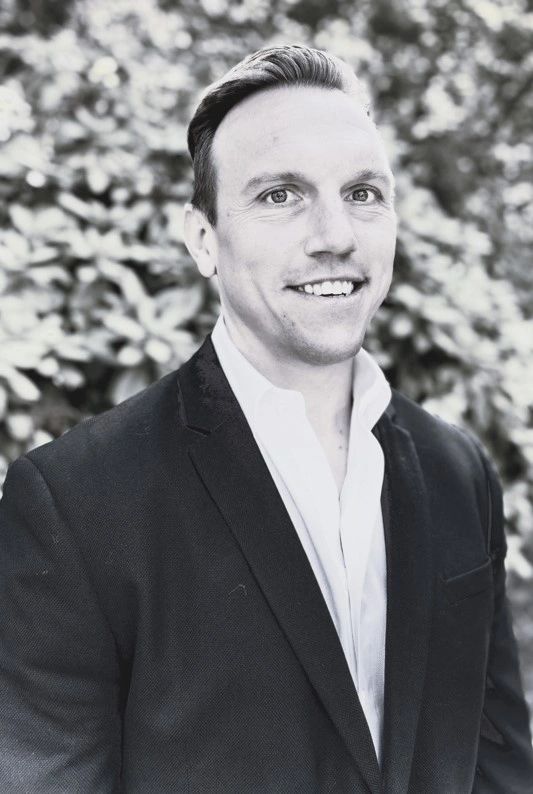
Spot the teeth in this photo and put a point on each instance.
(328, 288)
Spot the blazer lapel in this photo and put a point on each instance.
(409, 598)
(234, 472)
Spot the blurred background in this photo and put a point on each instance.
(98, 296)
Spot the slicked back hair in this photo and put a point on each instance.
(270, 67)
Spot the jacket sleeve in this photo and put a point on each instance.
(59, 679)
(505, 756)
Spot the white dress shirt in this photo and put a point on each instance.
(342, 534)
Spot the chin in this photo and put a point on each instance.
(327, 353)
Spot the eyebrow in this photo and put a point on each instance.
(365, 175)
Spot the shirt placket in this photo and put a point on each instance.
(302, 464)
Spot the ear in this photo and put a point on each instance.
(200, 239)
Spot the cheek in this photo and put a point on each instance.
(240, 274)
(252, 261)
(379, 242)
(238, 246)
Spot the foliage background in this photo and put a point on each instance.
(97, 294)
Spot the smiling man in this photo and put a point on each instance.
(305, 231)
(268, 572)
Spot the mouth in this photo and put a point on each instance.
(338, 288)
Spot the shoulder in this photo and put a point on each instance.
(430, 432)
(452, 454)
(115, 441)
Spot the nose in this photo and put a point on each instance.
(330, 230)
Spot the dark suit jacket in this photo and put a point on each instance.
(161, 629)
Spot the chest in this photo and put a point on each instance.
(335, 446)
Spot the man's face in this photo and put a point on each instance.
(304, 196)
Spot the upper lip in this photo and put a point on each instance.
(356, 279)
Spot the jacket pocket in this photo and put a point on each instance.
(489, 731)
(461, 586)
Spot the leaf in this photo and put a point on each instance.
(72, 348)
(130, 284)
(80, 247)
(128, 383)
(50, 220)
(124, 326)
(75, 205)
(39, 438)
(48, 367)
(401, 326)
(23, 353)
(17, 245)
(21, 386)
(44, 276)
(158, 350)
(97, 179)
(175, 213)
(178, 305)
(129, 356)
(22, 219)
(3, 402)
(9, 259)
(45, 253)
(19, 426)
(69, 377)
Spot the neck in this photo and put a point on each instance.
(326, 389)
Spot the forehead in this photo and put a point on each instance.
(318, 130)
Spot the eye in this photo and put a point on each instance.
(365, 195)
(281, 195)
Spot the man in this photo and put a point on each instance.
(265, 573)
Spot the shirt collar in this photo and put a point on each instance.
(371, 391)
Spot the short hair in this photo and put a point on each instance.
(270, 67)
